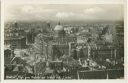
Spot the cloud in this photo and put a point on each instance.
(27, 9)
(91, 13)
(64, 12)
(104, 13)
(93, 10)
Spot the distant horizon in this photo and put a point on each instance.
(67, 22)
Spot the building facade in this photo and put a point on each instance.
(15, 36)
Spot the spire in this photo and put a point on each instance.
(15, 24)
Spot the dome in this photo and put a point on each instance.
(58, 28)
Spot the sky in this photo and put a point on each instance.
(64, 12)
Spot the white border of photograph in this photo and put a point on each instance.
(6, 2)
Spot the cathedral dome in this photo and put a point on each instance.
(58, 28)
